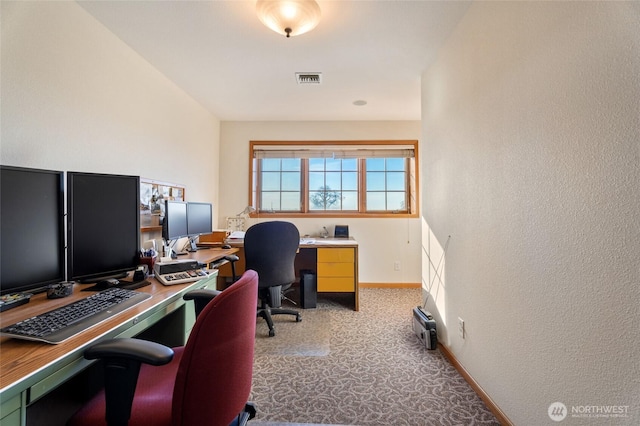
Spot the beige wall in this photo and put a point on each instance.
(381, 241)
(531, 119)
(75, 97)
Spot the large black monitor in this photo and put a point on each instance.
(103, 225)
(174, 225)
(31, 229)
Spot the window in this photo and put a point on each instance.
(334, 178)
(333, 184)
(281, 184)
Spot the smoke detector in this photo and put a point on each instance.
(309, 77)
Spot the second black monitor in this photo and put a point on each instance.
(199, 218)
(174, 225)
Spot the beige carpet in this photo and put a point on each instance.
(343, 367)
(309, 337)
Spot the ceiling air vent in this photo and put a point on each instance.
(309, 77)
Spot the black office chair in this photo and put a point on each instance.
(270, 249)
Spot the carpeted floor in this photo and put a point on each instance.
(343, 367)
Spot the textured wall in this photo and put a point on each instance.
(75, 97)
(531, 162)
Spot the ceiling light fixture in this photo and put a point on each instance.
(289, 17)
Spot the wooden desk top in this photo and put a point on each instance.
(208, 254)
(21, 359)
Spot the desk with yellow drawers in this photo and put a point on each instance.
(334, 260)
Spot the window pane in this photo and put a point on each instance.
(333, 180)
(291, 164)
(375, 201)
(323, 199)
(291, 201)
(375, 164)
(270, 201)
(395, 164)
(337, 205)
(375, 181)
(350, 164)
(270, 181)
(316, 180)
(349, 200)
(271, 164)
(395, 201)
(350, 181)
(395, 181)
(332, 164)
(315, 201)
(316, 164)
(291, 181)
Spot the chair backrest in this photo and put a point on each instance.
(270, 249)
(214, 378)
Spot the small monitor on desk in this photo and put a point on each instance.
(199, 221)
(174, 225)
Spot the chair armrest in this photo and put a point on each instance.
(231, 258)
(201, 293)
(132, 349)
(200, 298)
(122, 359)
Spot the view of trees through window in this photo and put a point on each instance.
(351, 184)
(333, 184)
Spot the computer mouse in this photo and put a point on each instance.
(226, 246)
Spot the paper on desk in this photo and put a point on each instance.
(236, 235)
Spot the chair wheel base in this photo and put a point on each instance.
(298, 318)
(272, 333)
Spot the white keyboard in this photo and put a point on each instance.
(182, 277)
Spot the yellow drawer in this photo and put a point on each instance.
(340, 254)
(336, 284)
(335, 270)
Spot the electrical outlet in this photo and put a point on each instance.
(461, 332)
(396, 265)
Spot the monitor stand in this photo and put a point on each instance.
(102, 278)
(193, 247)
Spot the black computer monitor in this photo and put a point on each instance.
(199, 218)
(32, 249)
(103, 225)
(174, 225)
(199, 221)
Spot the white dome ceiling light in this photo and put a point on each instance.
(289, 17)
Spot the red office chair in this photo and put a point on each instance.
(206, 382)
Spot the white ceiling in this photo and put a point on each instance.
(224, 57)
